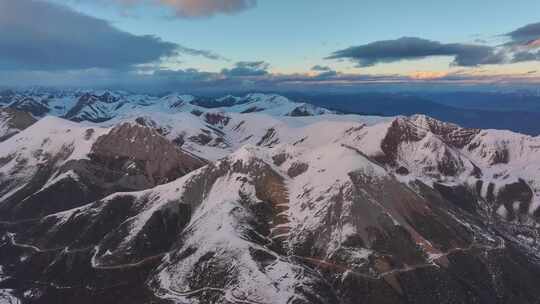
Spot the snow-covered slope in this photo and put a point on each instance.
(49, 142)
(252, 228)
(240, 200)
(414, 148)
(499, 168)
(216, 134)
(67, 164)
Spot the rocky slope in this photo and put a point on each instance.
(55, 165)
(312, 209)
(13, 121)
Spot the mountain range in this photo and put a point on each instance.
(515, 111)
(113, 197)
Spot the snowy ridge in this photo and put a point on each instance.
(216, 134)
(49, 142)
(421, 148)
(99, 106)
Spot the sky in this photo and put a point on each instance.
(198, 45)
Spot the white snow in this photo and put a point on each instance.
(49, 139)
(502, 212)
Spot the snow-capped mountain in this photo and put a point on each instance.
(257, 199)
(67, 165)
(100, 106)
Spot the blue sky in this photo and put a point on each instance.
(293, 36)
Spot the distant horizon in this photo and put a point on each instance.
(375, 89)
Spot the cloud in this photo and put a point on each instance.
(429, 75)
(197, 81)
(247, 69)
(38, 35)
(523, 43)
(42, 35)
(408, 48)
(526, 34)
(323, 72)
(204, 53)
(321, 68)
(525, 56)
(326, 75)
(194, 8)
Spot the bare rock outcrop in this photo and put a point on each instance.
(141, 149)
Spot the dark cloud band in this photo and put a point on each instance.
(525, 34)
(247, 69)
(320, 68)
(38, 35)
(407, 48)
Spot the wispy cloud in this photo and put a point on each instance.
(204, 53)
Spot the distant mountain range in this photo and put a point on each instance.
(99, 106)
(111, 197)
(519, 112)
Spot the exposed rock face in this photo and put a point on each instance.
(46, 176)
(427, 131)
(132, 147)
(475, 169)
(94, 108)
(297, 169)
(399, 131)
(30, 105)
(216, 119)
(307, 110)
(13, 121)
(451, 134)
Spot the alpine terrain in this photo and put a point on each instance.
(114, 197)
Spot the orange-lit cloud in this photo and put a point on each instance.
(427, 75)
(197, 8)
(534, 43)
